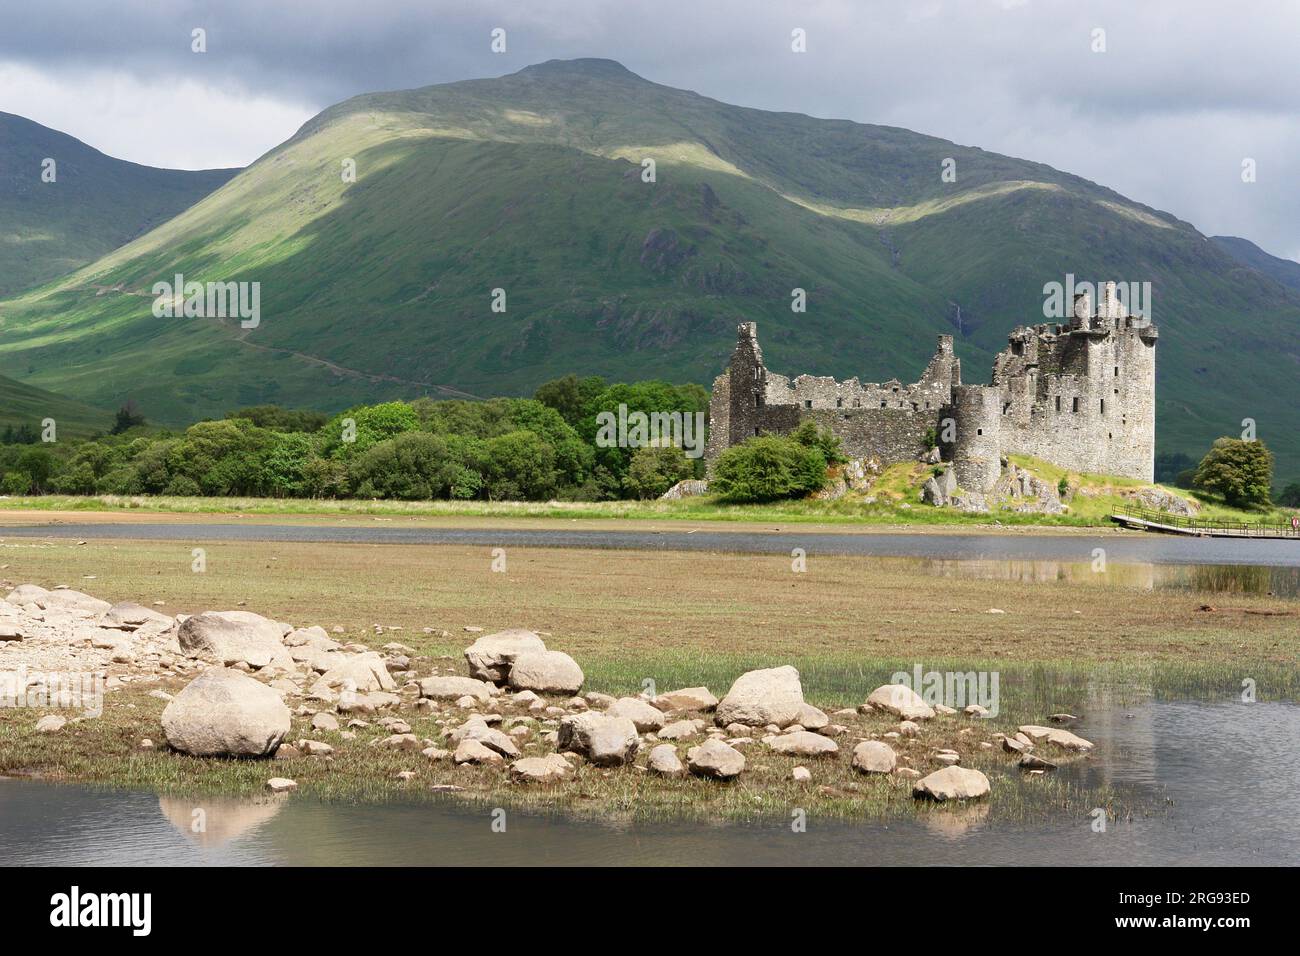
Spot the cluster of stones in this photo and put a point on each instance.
(250, 665)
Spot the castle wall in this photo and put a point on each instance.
(1080, 395)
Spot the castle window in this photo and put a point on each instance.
(1058, 403)
(927, 405)
(839, 403)
(1006, 407)
(914, 406)
(1117, 371)
(807, 403)
(755, 429)
(857, 403)
(1074, 406)
(979, 431)
(1103, 406)
(884, 404)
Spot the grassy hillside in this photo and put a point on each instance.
(95, 204)
(22, 404)
(532, 183)
(1248, 254)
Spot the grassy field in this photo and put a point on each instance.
(676, 619)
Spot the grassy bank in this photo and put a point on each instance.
(898, 504)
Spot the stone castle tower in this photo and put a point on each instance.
(1080, 395)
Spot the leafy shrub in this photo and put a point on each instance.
(655, 469)
(16, 483)
(768, 468)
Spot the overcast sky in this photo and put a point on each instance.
(1184, 92)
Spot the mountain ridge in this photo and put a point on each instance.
(532, 183)
(95, 204)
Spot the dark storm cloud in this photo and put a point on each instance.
(1183, 93)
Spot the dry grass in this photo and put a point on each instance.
(612, 605)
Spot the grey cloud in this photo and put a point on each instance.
(1184, 91)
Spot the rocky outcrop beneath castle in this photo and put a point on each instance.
(1017, 489)
(1157, 499)
(854, 476)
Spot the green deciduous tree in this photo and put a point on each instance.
(1240, 471)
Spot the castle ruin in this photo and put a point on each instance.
(1079, 395)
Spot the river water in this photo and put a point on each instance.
(1133, 547)
(1216, 784)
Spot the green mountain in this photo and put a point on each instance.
(1285, 271)
(533, 184)
(94, 204)
(22, 404)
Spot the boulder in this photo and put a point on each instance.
(128, 616)
(680, 728)
(715, 760)
(51, 723)
(1057, 737)
(803, 743)
(225, 713)
(281, 785)
(366, 672)
(901, 701)
(453, 688)
(27, 594)
(492, 655)
(871, 756)
(1034, 762)
(549, 769)
(233, 637)
(605, 741)
(687, 699)
(473, 751)
(810, 718)
(546, 672)
(645, 716)
(476, 728)
(73, 602)
(664, 761)
(757, 698)
(10, 632)
(952, 783)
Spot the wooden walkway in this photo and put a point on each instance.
(1166, 523)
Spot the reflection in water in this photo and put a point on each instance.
(215, 821)
(1229, 770)
(1228, 578)
(954, 821)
